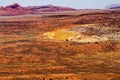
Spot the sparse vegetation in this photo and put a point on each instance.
(48, 47)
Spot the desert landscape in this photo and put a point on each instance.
(59, 43)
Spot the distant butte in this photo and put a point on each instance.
(16, 9)
(14, 6)
(113, 6)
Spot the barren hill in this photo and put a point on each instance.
(113, 6)
(16, 9)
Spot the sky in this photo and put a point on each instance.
(78, 4)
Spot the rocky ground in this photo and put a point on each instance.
(71, 45)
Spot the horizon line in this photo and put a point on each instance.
(47, 5)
